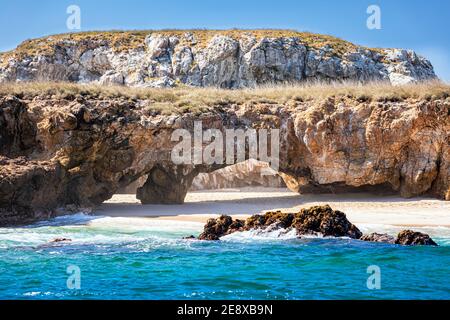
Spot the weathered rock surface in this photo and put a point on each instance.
(227, 59)
(378, 237)
(411, 238)
(405, 237)
(320, 220)
(77, 151)
(250, 173)
(216, 228)
(325, 221)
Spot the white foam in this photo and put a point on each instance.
(260, 234)
(84, 229)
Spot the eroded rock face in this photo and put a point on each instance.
(319, 220)
(166, 185)
(222, 226)
(29, 190)
(76, 152)
(250, 173)
(325, 221)
(244, 60)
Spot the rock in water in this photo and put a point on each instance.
(412, 238)
(324, 220)
(378, 237)
(216, 228)
(61, 240)
(316, 220)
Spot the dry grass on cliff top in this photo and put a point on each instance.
(125, 40)
(185, 99)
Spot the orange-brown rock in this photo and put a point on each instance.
(79, 150)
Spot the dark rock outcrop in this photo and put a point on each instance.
(326, 221)
(316, 220)
(411, 238)
(216, 228)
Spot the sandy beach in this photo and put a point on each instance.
(360, 208)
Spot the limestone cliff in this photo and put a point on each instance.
(76, 150)
(226, 59)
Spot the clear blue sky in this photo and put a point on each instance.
(422, 25)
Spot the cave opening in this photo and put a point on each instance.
(243, 175)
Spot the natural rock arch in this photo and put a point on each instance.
(83, 149)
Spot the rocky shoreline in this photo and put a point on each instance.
(315, 221)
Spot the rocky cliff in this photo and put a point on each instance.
(226, 59)
(64, 150)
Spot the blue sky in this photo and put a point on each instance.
(415, 24)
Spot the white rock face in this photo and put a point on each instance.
(223, 62)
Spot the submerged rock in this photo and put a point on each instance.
(412, 238)
(378, 237)
(57, 240)
(405, 237)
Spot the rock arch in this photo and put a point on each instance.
(83, 149)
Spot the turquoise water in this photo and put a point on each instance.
(125, 258)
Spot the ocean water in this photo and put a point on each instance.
(135, 258)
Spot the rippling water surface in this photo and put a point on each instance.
(134, 258)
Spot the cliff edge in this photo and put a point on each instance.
(203, 58)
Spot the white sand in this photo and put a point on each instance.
(360, 208)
